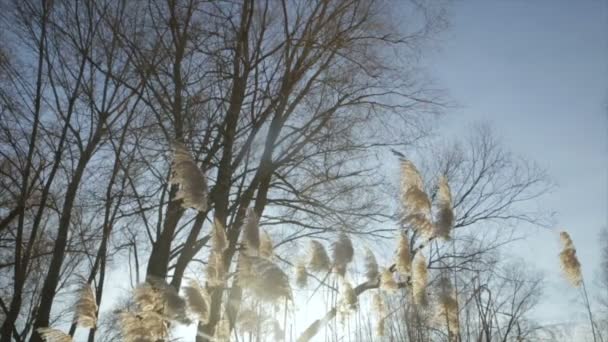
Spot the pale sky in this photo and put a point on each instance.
(537, 71)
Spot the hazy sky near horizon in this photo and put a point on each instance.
(537, 72)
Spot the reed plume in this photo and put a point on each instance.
(53, 335)
(222, 331)
(252, 231)
(404, 258)
(569, 261)
(198, 300)
(219, 241)
(311, 331)
(301, 275)
(448, 306)
(378, 304)
(318, 260)
(143, 326)
(343, 253)
(86, 307)
(387, 282)
(419, 280)
(192, 188)
(263, 278)
(159, 297)
(348, 298)
(444, 218)
(215, 269)
(371, 266)
(248, 320)
(413, 198)
(380, 327)
(266, 246)
(379, 308)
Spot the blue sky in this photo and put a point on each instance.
(537, 71)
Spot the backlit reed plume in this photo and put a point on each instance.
(156, 296)
(252, 232)
(215, 263)
(569, 261)
(419, 280)
(85, 309)
(421, 224)
(266, 246)
(371, 266)
(263, 278)
(379, 307)
(198, 300)
(192, 184)
(387, 281)
(215, 269)
(414, 201)
(378, 304)
(348, 298)
(343, 253)
(219, 242)
(318, 258)
(53, 335)
(222, 331)
(143, 326)
(301, 274)
(248, 320)
(448, 306)
(404, 258)
(311, 331)
(444, 218)
(380, 326)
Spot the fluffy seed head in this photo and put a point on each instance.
(318, 260)
(266, 246)
(301, 275)
(448, 306)
(86, 307)
(348, 298)
(421, 224)
(198, 300)
(343, 253)
(413, 198)
(419, 280)
(444, 218)
(192, 184)
(159, 297)
(219, 242)
(53, 335)
(378, 305)
(404, 261)
(143, 326)
(222, 331)
(215, 269)
(263, 278)
(387, 282)
(569, 261)
(371, 266)
(252, 232)
(380, 327)
(248, 320)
